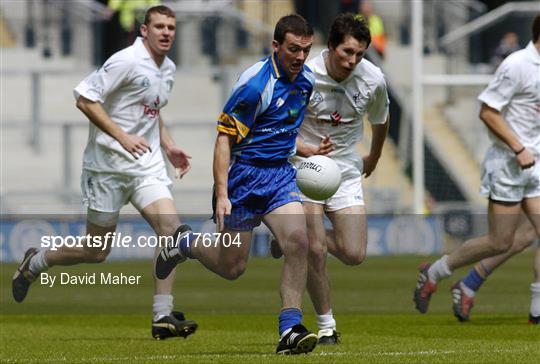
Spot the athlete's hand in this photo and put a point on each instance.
(135, 145)
(325, 146)
(370, 162)
(525, 159)
(180, 161)
(223, 207)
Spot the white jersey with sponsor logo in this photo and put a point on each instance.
(515, 92)
(132, 90)
(337, 109)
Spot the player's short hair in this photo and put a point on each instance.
(159, 9)
(536, 28)
(294, 24)
(348, 24)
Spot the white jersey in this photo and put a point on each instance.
(337, 109)
(132, 90)
(515, 92)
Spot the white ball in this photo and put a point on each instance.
(318, 177)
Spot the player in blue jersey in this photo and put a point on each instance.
(254, 182)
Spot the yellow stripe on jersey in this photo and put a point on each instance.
(232, 126)
(275, 65)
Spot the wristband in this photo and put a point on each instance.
(519, 151)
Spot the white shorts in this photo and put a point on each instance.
(108, 192)
(348, 194)
(504, 180)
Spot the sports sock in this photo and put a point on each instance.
(439, 270)
(535, 301)
(163, 304)
(38, 263)
(474, 279)
(185, 245)
(326, 321)
(288, 318)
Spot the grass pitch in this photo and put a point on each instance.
(237, 320)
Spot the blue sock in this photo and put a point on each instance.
(288, 318)
(185, 245)
(473, 280)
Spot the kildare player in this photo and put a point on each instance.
(510, 108)
(123, 161)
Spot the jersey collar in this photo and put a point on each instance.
(533, 52)
(140, 49)
(277, 71)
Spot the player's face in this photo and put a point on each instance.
(159, 33)
(292, 53)
(344, 58)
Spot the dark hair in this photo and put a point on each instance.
(348, 24)
(294, 24)
(536, 28)
(160, 9)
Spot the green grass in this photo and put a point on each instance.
(372, 305)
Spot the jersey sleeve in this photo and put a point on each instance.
(378, 106)
(501, 88)
(240, 111)
(99, 84)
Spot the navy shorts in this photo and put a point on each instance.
(255, 190)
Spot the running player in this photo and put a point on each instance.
(254, 181)
(510, 178)
(123, 161)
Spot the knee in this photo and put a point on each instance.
(95, 256)
(297, 244)
(353, 256)
(234, 270)
(317, 254)
(500, 246)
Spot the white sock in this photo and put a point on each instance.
(163, 304)
(468, 292)
(326, 321)
(535, 301)
(439, 270)
(38, 263)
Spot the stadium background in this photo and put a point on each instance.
(48, 46)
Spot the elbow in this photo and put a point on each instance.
(80, 104)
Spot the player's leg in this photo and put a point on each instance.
(503, 219)
(318, 284)
(36, 261)
(534, 312)
(349, 241)
(464, 291)
(155, 203)
(288, 224)
(531, 206)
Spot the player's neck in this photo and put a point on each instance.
(158, 58)
(537, 45)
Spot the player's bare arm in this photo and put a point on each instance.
(177, 156)
(498, 126)
(307, 150)
(134, 144)
(222, 158)
(378, 137)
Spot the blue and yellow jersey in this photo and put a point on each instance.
(265, 111)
